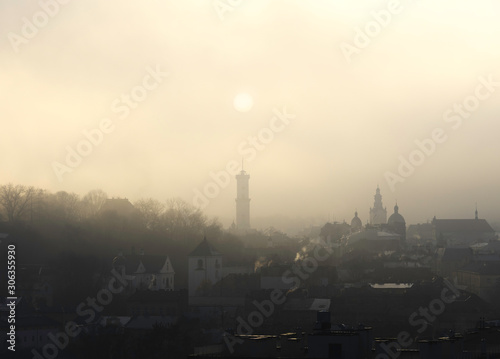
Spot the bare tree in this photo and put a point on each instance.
(182, 220)
(16, 200)
(93, 201)
(151, 212)
(65, 205)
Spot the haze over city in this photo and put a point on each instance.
(215, 78)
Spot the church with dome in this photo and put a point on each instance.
(379, 226)
(356, 224)
(397, 224)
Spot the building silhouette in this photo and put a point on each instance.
(397, 223)
(204, 266)
(242, 201)
(356, 224)
(378, 214)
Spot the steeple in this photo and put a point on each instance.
(378, 214)
(476, 212)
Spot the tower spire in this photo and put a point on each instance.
(378, 214)
(476, 217)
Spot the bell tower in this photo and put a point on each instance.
(378, 214)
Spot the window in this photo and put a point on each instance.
(200, 264)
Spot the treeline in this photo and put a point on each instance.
(50, 227)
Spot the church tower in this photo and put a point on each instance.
(204, 268)
(378, 214)
(242, 202)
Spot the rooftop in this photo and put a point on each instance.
(204, 249)
(462, 225)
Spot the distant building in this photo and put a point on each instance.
(242, 202)
(120, 206)
(378, 214)
(462, 232)
(421, 233)
(356, 224)
(153, 272)
(451, 259)
(333, 232)
(204, 268)
(482, 279)
(397, 224)
(375, 240)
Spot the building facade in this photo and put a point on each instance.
(204, 268)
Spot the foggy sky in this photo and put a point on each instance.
(352, 120)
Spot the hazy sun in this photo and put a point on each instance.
(243, 102)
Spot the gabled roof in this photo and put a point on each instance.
(462, 225)
(204, 249)
(121, 206)
(150, 263)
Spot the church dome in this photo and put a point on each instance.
(396, 217)
(356, 222)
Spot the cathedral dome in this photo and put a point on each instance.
(396, 217)
(356, 222)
